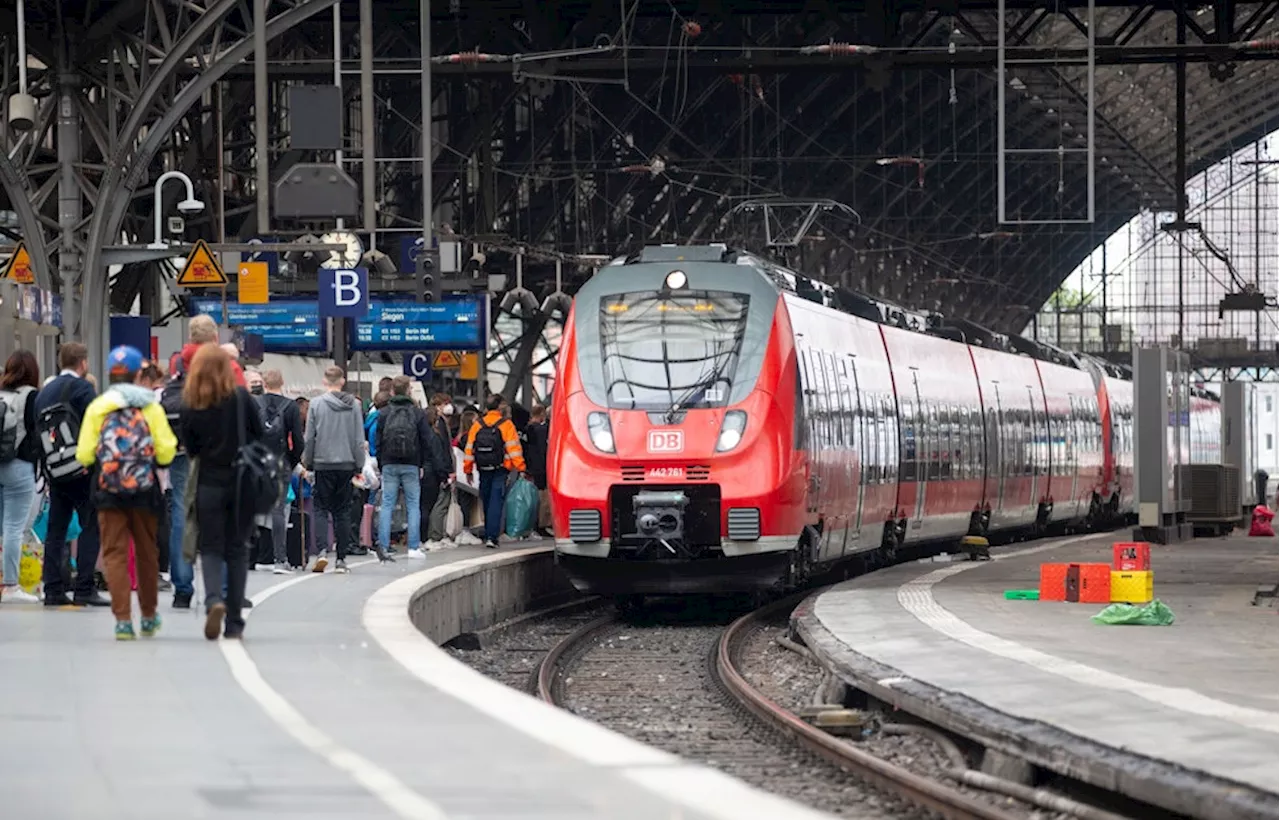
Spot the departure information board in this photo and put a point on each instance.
(454, 324)
(286, 326)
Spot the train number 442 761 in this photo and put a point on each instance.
(664, 474)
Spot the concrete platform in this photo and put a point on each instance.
(1184, 717)
(331, 707)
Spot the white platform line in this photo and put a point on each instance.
(693, 787)
(917, 598)
(382, 784)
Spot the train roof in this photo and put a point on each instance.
(856, 303)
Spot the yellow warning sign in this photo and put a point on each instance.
(202, 269)
(18, 268)
(446, 360)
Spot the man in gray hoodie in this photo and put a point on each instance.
(335, 451)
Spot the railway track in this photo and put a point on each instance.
(681, 688)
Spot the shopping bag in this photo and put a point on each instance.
(453, 518)
(31, 566)
(366, 526)
(521, 508)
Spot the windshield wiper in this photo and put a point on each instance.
(701, 385)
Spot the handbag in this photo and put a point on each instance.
(259, 472)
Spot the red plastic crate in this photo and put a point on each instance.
(1053, 582)
(1095, 584)
(1131, 556)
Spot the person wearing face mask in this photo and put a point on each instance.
(435, 495)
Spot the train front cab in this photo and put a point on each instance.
(671, 464)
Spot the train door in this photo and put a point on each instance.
(923, 452)
(1038, 437)
(857, 445)
(997, 453)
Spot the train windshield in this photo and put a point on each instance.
(664, 351)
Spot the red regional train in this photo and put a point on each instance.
(725, 424)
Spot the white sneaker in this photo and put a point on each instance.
(18, 595)
(466, 539)
(416, 555)
(431, 546)
(447, 544)
(281, 569)
(319, 563)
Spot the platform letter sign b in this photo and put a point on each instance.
(344, 292)
(666, 441)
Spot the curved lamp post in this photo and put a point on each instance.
(190, 205)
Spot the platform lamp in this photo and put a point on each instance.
(378, 262)
(306, 261)
(558, 301)
(22, 106)
(518, 295)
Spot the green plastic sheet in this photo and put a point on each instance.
(1152, 614)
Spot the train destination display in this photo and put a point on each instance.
(454, 324)
(291, 325)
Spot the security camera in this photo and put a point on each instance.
(190, 206)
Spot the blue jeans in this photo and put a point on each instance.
(17, 493)
(493, 491)
(181, 573)
(397, 477)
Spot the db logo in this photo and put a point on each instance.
(666, 441)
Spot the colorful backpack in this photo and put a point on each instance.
(126, 454)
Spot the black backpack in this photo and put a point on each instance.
(399, 438)
(488, 448)
(171, 401)
(274, 434)
(58, 426)
(259, 474)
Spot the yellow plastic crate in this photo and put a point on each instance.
(1132, 587)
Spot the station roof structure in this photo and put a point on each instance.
(582, 128)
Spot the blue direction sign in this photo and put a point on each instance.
(454, 324)
(344, 292)
(286, 326)
(417, 365)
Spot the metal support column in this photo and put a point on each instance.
(263, 172)
(427, 148)
(1003, 151)
(1161, 405)
(368, 139)
(70, 204)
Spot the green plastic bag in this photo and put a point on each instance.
(521, 508)
(1152, 614)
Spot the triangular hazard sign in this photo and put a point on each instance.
(18, 268)
(202, 269)
(446, 359)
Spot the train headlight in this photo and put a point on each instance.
(601, 432)
(731, 430)
(676, 280)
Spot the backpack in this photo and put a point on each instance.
(13, 428)
(274, 434)
(58, 426)
(488, 448)
(400, 435)
(171, 402)
(260, 473)
(126, 454)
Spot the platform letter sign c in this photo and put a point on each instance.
(666, 441)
